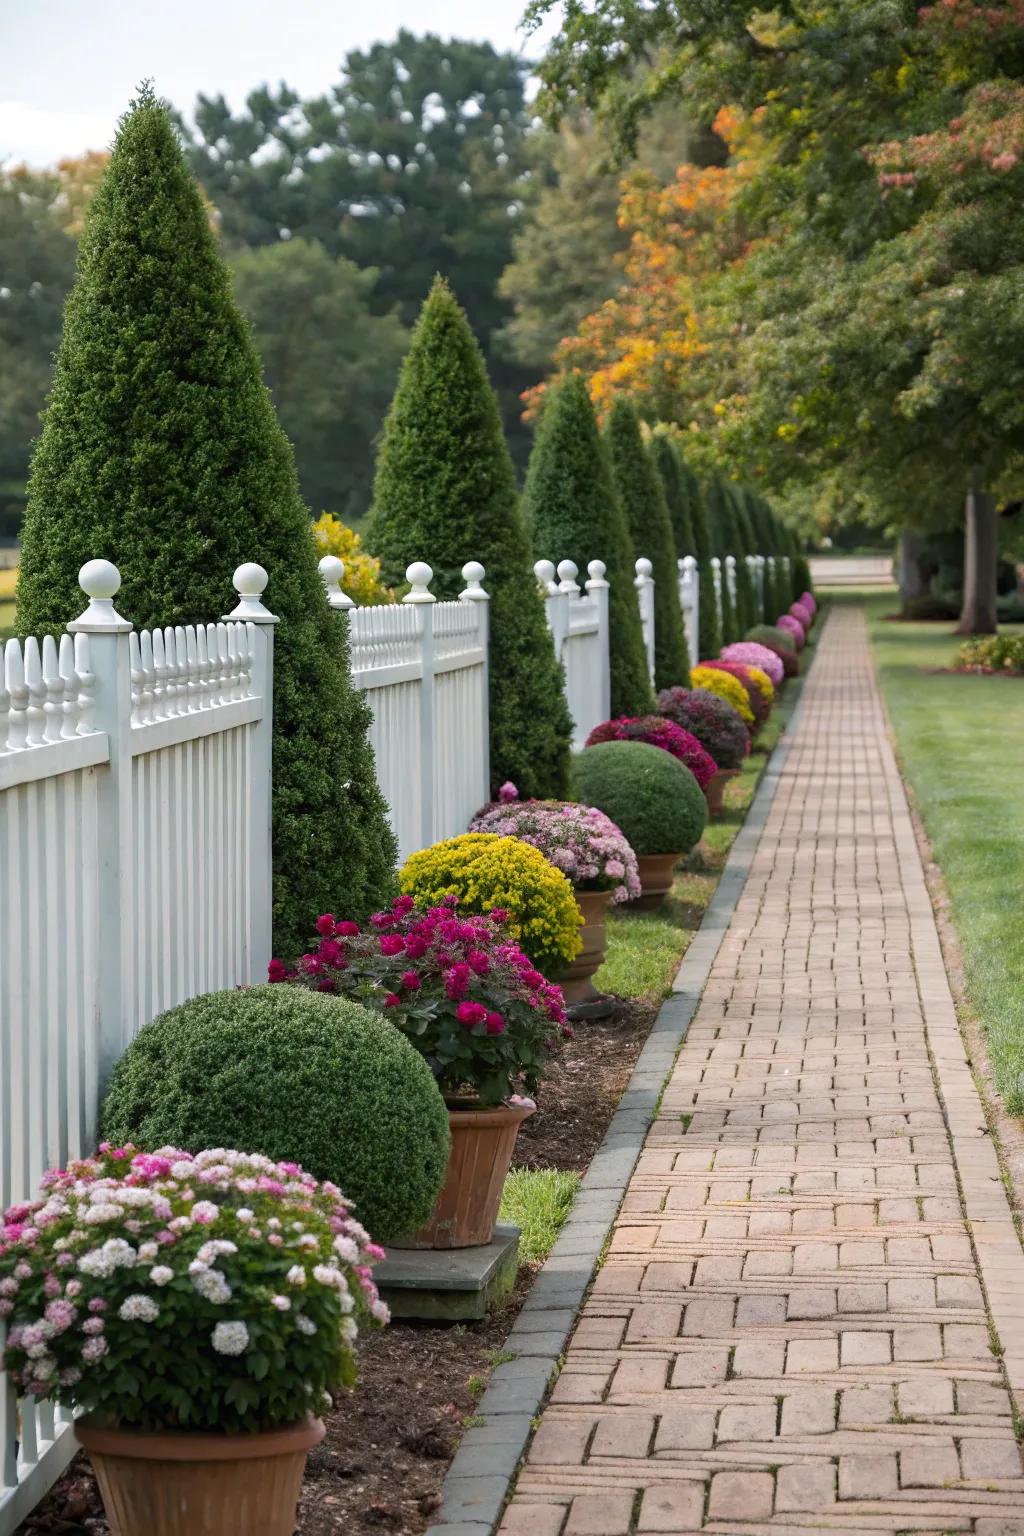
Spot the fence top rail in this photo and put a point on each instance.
(46, 692)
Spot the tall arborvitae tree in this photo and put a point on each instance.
(742, 546)
(720, 530)
(686, 514)
(160, 451)
(643, 502)
(573, 513)
(710, 628)
(445, 492)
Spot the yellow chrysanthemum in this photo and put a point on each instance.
(727, 687)
(766, 688)
(486, 871)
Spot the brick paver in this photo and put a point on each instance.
(789, 1332)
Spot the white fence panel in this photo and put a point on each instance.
(689, 603)
(423, 668)
(134, 872)
(579, 630)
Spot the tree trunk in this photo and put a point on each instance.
(980, 559)
(912, 580)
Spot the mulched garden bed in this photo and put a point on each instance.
(390, 1441)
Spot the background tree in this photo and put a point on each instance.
(330, 362)
(720, 533)
(445, 492)
(572, 511)
(160, 451)
(411, 164)
(37, 266)
(643, 502)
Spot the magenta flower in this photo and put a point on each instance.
(325, 924)
(471, 1013)
(347, 930)
(392, 944)
(495, 1023)
(508, 792)
(411, 981)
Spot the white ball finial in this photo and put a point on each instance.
(473, 574)
(250, 582)
(419, 576)
(568, 570)
(596, 571)
(544, 570)
(332, 574)
(99, 580)
(644, 568)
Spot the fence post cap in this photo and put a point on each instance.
(568, 570)
(688, 563)
(544, 570)
(644, 571)
(100, 580)
(473, 574)
(332, 573)
(419, 576)
(596, 570)
(250, 582)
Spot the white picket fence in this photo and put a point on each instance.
(423, 667)
(578, 621)
(134, 873)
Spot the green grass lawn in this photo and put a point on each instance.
(645, 948)
(960, 742)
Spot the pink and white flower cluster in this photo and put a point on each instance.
(580, 840)
(749, 654)
(169, 1290)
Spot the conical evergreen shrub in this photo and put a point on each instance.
(710, 628)
(445, 492)
(573, 513)
(742, 546)
(686, 514)
(643, 502)
(160, 450)
(720, 530)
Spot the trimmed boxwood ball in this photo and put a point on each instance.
(300, 1077)
(648, 793)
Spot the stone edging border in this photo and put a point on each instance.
(484, 1467)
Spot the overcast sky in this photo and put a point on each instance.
(69, 67)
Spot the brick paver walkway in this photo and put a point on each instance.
(790, 1332)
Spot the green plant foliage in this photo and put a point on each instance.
(538, 1202)
(573, 513)
(744, 544)
(487, 872)
(160, 451)
(301, 1077)
(657, 804)
(640, 492)
(445, 492)
(720, 530)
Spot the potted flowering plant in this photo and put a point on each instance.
(591, 852)
(466, 996)
(198, 1310)
(659, 731)
(717, 727)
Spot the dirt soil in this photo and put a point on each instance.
(390, 1441)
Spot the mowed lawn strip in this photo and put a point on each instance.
(960, 743)
(645, 948)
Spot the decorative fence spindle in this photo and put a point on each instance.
(689, 603)
(644, 584)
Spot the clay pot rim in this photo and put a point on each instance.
(501, 1114)
(198, 1445)
(727, 773)
(675, 857)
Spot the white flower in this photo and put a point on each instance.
(100, 1213)
(346, 1250)
(210, 1284)
(305, 1324)
(230, 1338)
(379, 1311)
(296, 1275)
(326, 1274)
(348, 1330)
(138, 1309)
(281, 1303)
(148, 1252)
(214, 1249)
(114, 1253)
(161, 1274)
(306, 1240)
(183, 1170)
(244, 1214)
(205, 1211)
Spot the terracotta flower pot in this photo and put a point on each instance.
(199, 1484)
(576, 984)
(466, 1212)
(714, 789)
(655, 878)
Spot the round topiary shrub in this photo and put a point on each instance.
(648, 793)
(793, 627)
(749, 654)
(300, 1077)
(715, 723)
(487, 872)
(658, 731)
